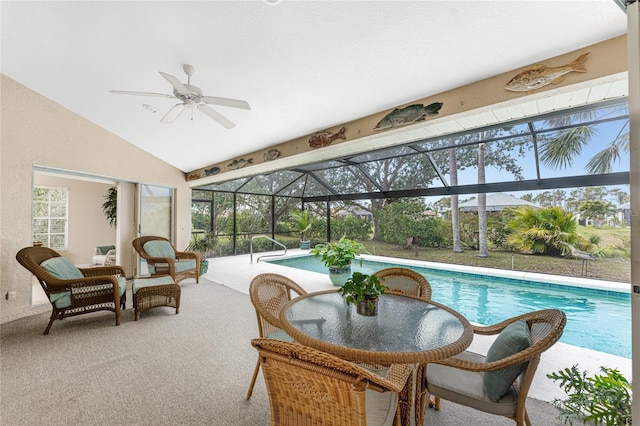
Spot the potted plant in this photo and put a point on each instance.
(338, 257)
(204, 245)
(302, 220)
(363, 290)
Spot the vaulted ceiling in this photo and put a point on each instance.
(303, 66)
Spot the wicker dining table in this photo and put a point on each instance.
(407, 329)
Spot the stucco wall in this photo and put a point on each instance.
(37, 131)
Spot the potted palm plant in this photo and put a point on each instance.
(363, 290)
(205, 245)
(302, 220)
(338, 257)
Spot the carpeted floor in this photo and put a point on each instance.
(165, 369)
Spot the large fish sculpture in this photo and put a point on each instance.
(411, 114)
(539, 75)
(325, 137)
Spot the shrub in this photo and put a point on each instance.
(601, 399)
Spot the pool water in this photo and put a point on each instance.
(595, 320)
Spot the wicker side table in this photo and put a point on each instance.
(151, 293)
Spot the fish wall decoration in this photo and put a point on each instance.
(212, 171)
(325, 137)
(271, 155)
(539, 75)
(239, 163)
(411, 114)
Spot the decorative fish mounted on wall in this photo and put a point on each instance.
(325, 137)
(271, 155)
(539, 75)
(239, 163)
(403, 116)
(212, 171)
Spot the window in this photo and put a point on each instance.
(50, 210)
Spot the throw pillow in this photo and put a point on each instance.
(513, 339)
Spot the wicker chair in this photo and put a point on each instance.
(467, 378)
(269, 293)
(163, 259)
(408, 281)
(308, 386)
(74, 291)
(405, 280)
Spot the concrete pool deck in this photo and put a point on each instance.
(236, 272)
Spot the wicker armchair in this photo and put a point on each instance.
(308, 386)
(405, 280)
(163, 259)
(480, 382)
(269, 293)
(74, 291)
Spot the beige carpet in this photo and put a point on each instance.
(165, 369)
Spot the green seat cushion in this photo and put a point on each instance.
(513, 339)
(62, 268)
(280, 335)
(139, 283)
(159, 248)
(103, 250)
(185, 265)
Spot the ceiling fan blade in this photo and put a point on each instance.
(225, 122)
(124, 92)
(173, 113)
(234, 103)
(180, 88)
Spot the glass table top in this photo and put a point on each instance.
(406, 329)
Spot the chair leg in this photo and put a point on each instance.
(253, 379)
(51, 320)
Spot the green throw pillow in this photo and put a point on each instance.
(513, 339)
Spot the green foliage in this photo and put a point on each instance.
(601, 399)
(597, 210)
(338, 254)
(406, 218)
(205, 244)
(497, 230)
(302, 221)
(110, 206)
(356, 228)
(361, 287)
(544, 230)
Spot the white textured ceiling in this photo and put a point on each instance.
(303, 66)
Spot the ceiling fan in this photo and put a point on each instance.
(190, 97)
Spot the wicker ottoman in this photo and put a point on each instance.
(151, 293)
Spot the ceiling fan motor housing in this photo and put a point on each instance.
(194, 94)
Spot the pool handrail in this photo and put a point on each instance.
(266, 255)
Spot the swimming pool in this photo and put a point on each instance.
(596, 319)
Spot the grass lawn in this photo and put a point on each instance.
(610, 269)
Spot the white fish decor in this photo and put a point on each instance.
(539, 75)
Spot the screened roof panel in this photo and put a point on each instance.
(523, 155)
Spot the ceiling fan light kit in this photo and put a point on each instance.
(190, 97)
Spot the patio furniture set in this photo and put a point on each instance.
(74, 291)
(322, 362)
(325, 364)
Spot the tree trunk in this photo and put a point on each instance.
(455, 214)
(482, 207)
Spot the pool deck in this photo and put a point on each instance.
(236, 272)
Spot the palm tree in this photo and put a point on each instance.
(482, 206)
(543, 230)
(559, 151)
(455, 214)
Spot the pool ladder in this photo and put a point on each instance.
(266, 255)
